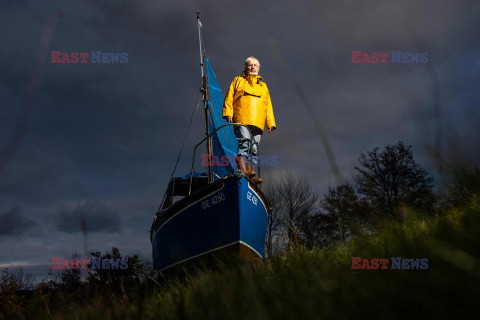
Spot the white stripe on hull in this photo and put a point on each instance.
(206, 252)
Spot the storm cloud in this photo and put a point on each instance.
(89, 217)
(14, 223)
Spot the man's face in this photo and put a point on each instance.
(252, 67)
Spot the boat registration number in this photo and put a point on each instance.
(216, 199)
(251, 197)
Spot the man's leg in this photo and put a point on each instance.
(243, 137)
(257, 135)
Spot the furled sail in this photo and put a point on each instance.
(224, 143)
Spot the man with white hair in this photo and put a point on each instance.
(248, 102)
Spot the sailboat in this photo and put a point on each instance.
(220, 210)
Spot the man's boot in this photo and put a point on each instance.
(242, 164)
(257, 180)
(251, 173)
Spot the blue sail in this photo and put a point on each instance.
(224, 142)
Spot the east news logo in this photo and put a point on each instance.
(389, 57)
(86, 57)
(396, 263)
(95, 263)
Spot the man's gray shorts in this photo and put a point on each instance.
(243, 138)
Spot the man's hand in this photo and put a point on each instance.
(269, 129)
(229, 119)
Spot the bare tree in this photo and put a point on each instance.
(296, 203)
(391, 179)
(275, 222)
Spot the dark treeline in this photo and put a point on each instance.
(110, 284)
(387, 186)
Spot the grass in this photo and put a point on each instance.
(320, 284)
(313, 284)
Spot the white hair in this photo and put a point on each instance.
(251, 58)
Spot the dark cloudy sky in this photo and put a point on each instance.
(102, 139)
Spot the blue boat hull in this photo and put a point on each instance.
(233, 212)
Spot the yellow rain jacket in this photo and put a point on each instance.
(248, 102)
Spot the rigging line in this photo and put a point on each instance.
(224, 134)
(194, 112)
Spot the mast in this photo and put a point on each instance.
(204, 98)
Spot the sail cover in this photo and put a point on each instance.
(224, 143)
